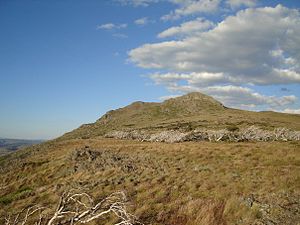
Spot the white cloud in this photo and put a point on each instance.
(236, 96)
(142, 21)
(241, 47)
(194, 79)
(238, 3)
(257, 46)
(191, 7)
(187, 28)
(163, 98)
(137, 3)
(292, 111)
(111, 26)
(183, 7)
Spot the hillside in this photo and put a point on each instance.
(166, 184)
(191, 111)
(188, 183)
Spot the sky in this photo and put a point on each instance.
(64, 63)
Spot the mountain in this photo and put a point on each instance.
(9, 145)
(190, 111)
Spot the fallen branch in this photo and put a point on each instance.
(76, 208)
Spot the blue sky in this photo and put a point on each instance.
(65, 63)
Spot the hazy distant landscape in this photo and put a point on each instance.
(11, 145)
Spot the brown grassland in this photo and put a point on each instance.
(182, 183)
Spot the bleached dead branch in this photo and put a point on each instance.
(76, 208)
(23, 217)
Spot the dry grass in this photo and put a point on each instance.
(183, 183)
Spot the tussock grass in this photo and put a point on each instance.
(181, 183)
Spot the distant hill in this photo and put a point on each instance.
(10, 145)
(190, 111)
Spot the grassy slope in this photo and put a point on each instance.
(184, 183)
(184, 113)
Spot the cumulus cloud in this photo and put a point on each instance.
(183, 7)
(238, 3)
(111, 26)
(194, 79)
(142, 21)
(237, 96)
(241, 47)
(257, 46)
(292, 111)
(187, 28)
(137, 3)
(163, 98)
(191, 7)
